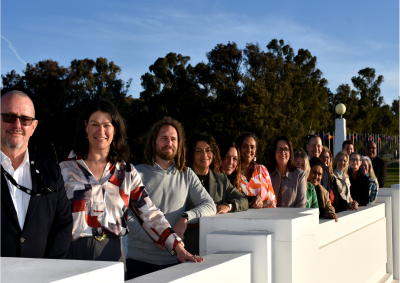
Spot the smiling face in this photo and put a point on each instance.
(364, 167)
(203, 156)
(342, 162)
(315, 175)
(326, 158)
(355, 162)
(349, 148)
(230, 161)
(248, 150)
(314, 147)
(371, 150)
(282, 153)
(15, 135)
(99, 130)
(299, 163)
(167, 142)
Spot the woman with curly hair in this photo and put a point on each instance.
(204, 158)
(254, 178)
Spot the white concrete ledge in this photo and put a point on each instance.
(221, 267)
(34, 270)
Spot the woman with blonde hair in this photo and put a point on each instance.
(341, 178)
(301, 161)
(368, 170)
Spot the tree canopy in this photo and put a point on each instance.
(269, 92)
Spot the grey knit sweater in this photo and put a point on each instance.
(169, 190)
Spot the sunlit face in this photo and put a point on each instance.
(341, 164)
(203, 156)
(364, 167)
(99, 130)
(230, 161)
(15, 135)
(166, 142)
(314, 147)
(282, 158)
(349, 148)
(371, 150)
(326, 158)
(248, 150)
(299, 163)
(315, 175)
(355, 162)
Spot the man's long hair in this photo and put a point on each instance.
(150, 150)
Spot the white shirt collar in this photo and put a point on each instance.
(5, 157)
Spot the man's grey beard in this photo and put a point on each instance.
(9, 143)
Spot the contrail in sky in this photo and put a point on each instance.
(13, 49)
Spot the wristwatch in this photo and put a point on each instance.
(185, 215)
(228, 203)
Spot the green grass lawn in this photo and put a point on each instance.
(392, 174)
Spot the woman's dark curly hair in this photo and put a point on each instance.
(239, 141)
(119, 149)
(234, 177)
(206, 137)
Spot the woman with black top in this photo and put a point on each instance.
(359, 182)
(204, 159)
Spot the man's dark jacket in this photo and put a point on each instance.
(47, 231)
(380, 170)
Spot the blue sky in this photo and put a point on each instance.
(346, 36)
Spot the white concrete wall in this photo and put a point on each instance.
(32, 270)
(221, 267)
(393, 192)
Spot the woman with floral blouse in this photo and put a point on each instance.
(255, 181)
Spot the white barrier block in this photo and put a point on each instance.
(294, 245)
(221, 267)
(258, 243)
(37, 270)
(394, 193)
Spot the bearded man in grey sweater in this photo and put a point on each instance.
(169, 184)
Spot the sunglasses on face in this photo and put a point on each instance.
(10, 118)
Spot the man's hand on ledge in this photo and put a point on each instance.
(184, 255)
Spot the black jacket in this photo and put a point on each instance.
(360, 189)
(47, 231)
(340, 203)
(380, 170)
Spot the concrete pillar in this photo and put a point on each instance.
(340, 134)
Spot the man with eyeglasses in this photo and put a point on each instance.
(379, 165)
(36, 220)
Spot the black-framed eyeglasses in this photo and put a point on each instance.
(10, 118)
(280, 150)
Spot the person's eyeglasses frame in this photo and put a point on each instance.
(355, 160)
(14, 117)
(282, 150)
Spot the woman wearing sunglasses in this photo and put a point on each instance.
(289, 182)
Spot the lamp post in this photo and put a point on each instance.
(340, 127)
